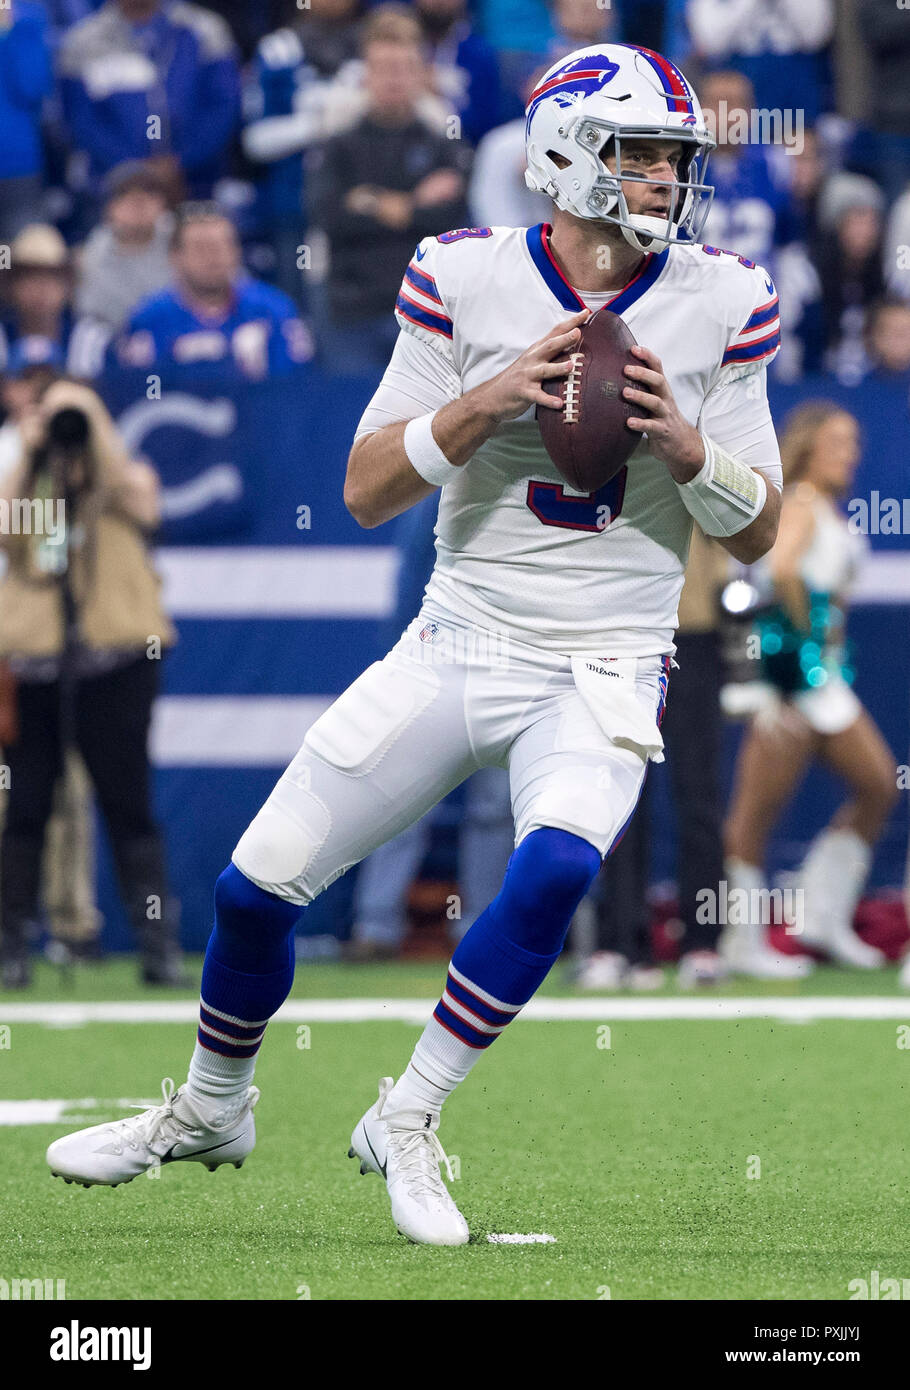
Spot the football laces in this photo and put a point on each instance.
(156, 1124)
(573, 387)
(420, 1155)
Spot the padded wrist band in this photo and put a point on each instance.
(425, 455)
(726, 496)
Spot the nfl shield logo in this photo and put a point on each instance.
(428, 632)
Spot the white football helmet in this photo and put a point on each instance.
(606, 94)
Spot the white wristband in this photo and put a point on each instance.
(425, 455)
(726, 495)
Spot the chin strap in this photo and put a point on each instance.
(648, 233)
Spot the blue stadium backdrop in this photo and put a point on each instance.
(281, 600)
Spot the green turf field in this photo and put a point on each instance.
(635, 1157)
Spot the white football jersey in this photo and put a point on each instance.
(517, 550)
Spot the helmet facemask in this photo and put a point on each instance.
(605, 201)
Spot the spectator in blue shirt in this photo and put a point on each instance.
(25, 80)
(152, 79)
(284, 114)
(751, 212)
(214, 319)
(465, 69)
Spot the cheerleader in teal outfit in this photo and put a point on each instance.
(810, 711)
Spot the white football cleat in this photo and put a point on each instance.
(603, 970)
(409, 1160)
(843, 945)
(701, 969)
(644, 977)
(746, 952)
(836, 938)
(903, 978)
(119, 1151)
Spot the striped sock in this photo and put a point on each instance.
(247, 975)
(230, 1034)
(491, 975)
(467, 1019)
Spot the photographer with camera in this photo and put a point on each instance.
(82, 630)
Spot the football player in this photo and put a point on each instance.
(546, 634)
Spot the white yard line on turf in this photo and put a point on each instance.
(534, 1239)
(600, 1009)
(55, 1112)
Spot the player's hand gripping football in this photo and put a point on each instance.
(670, 437)
(509, 394)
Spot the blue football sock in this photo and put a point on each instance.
(247, 975)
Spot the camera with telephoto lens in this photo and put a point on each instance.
(67, 436)
(68, 429)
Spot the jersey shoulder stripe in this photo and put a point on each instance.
(737, 301)
(420, 280)
(755, 351)
(415, 313)
(764, 314)
(444, 272)
(760, 338)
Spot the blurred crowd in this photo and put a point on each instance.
(331, 135)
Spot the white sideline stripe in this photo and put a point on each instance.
(231, 730)
(320, 581)
(599, 1010)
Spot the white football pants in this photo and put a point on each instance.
(574, 732)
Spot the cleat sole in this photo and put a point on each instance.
(78, 1182)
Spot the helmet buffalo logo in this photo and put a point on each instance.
(582, 78)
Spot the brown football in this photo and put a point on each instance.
(589, 440)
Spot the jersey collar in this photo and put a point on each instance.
(538, 241)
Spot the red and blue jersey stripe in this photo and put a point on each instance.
(760, 337)
(420, 303)
(420, 280)
(765, 314)
(753, 352)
